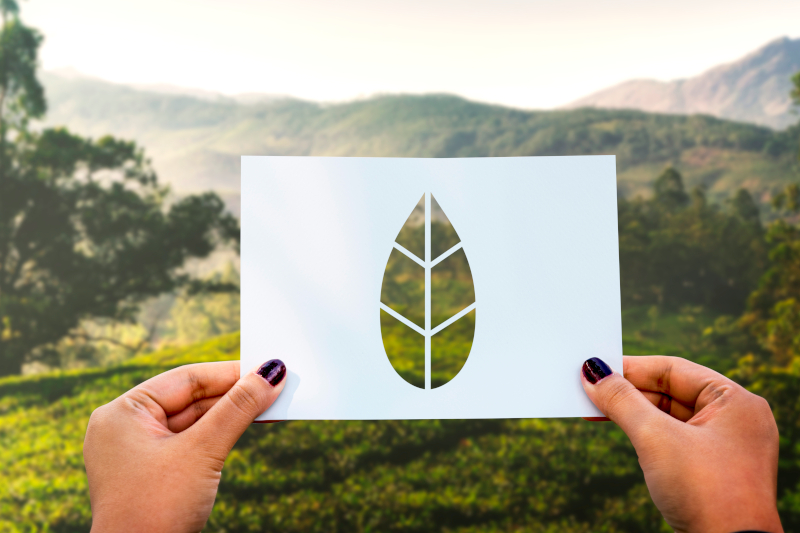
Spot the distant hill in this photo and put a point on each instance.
(753, 89)
(195, 142)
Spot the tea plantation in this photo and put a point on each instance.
(451, 475)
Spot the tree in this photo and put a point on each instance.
(676, 249)
(772, 318)
(669, 191)
(85, 228)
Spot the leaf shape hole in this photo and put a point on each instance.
(404, 327)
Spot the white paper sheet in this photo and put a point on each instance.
(540, 234)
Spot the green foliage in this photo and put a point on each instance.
(780, 385)
(451, 287)
(204, 315)
(669, 191)
(788, 199)
(84, 227)
(72, 246)
(676, 249)
(773, 312)
(403, 287)
(449, 348)
(405, 349)
(176, 318)
(21, 94)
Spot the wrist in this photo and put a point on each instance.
(728, 511)
(760, 520)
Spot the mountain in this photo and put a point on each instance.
(196, 142)
(753, 89)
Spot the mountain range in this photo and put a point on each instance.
(753, 89)
(195, 139)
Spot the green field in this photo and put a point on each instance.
(451, 475)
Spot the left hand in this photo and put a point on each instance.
(154, 455)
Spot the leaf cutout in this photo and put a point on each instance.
(449, 299)
(443, 234)
(412, 234)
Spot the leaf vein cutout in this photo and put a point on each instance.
(408, 254)
(427, 307)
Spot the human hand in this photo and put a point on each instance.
(154, 455)
(707, 446)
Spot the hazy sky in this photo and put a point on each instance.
(534, 54)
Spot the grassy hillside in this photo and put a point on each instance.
(42, 422)
(469, 476)
(196, 143)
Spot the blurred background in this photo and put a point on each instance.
(121, 128)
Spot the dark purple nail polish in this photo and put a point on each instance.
(273, 371)
(595, 369)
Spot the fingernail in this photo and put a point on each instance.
(273, 371)
(595, 369)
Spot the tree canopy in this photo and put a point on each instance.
(677, 249)
(86, 230)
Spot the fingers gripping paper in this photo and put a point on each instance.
(430, 288)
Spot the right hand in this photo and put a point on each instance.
(707, 446)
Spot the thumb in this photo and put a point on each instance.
(620, 401)
(225, 422)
